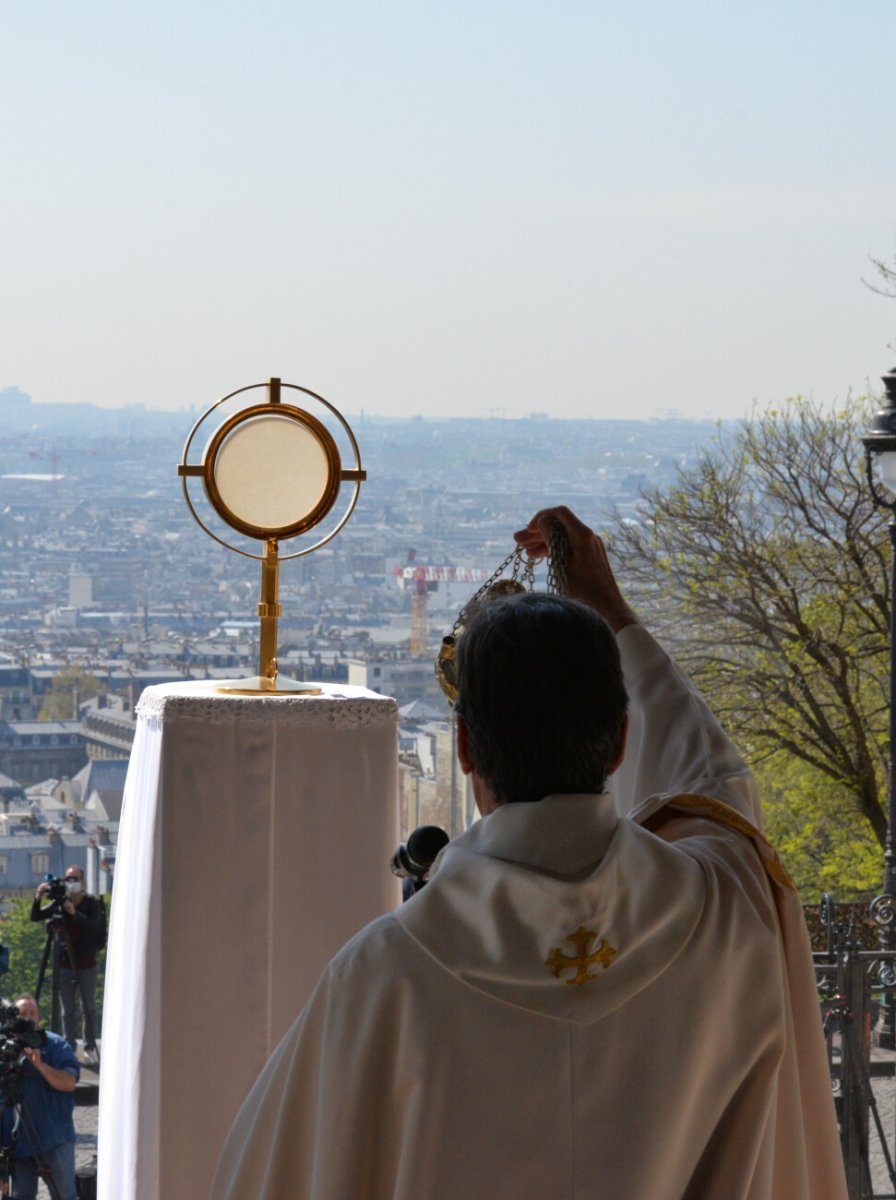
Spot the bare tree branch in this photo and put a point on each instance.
(766, 566)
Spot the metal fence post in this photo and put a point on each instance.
(855, 1059)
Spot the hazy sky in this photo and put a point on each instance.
(590, 209)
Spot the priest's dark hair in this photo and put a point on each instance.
(541, 693)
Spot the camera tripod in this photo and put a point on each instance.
(58, 939)
(13, 1099)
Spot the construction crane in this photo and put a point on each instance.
(419, 612)
(420, 580)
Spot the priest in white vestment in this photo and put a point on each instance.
(605, 991)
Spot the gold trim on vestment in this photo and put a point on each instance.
(718, 810)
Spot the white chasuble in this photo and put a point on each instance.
(597, 997)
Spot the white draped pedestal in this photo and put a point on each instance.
(255, 839)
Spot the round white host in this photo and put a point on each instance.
(271, 471)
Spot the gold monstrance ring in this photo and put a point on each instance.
(273, 471)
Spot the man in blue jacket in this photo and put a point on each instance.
(43, 1135)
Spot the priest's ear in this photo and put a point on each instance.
(620, 753)
(482, 794)
(463, 745)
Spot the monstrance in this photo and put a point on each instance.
(273, 471)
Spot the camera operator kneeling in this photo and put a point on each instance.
(41, 1129)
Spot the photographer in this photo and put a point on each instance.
(81, 917)
(44, 1135)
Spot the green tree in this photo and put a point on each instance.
(825, 844)
(26, 940)
(766, 567)
(60, 702)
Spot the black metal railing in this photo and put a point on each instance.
(853, 977)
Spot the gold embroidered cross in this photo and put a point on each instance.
(582, 960)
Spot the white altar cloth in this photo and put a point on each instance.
(255, 839)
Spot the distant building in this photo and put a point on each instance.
(97, 790)
(80, 590)
(432, 789)
(108, 725)
(419, 712)
(16, 693)
(11, 793)
(406, 679)
(27, 858)
(35, 750)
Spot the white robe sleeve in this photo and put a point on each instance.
(674, 744)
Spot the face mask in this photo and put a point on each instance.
(73, 886)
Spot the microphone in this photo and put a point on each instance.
(414, 857)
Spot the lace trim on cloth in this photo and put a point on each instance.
(333, 709)
(717, 810)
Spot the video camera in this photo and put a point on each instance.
(17, 1033)
(56, 888)
(57, 893)
(413, 858)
